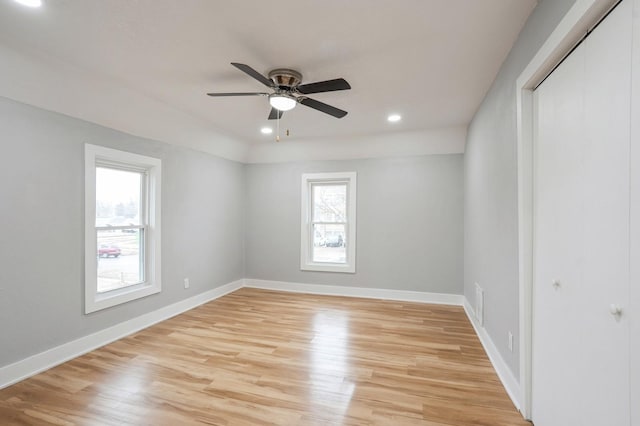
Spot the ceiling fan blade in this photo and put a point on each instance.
(324, 86)
(253, 73)
(321, 106)
(275, 114)
(238, 94)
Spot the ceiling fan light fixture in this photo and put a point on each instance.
(282, 101)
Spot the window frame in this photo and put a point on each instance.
(150, 220)
(306, 222)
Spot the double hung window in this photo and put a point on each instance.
(122, 227)
(328, 222)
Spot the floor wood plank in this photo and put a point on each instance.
(258, 357)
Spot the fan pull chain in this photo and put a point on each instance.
(278, 126)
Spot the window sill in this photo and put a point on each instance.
(329, 267)
(117, 297)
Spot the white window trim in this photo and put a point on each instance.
(95, 301)
(306, 262)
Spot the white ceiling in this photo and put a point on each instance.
(144, 66)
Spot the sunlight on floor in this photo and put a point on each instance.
(330, 387)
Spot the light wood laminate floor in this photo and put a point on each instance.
(258, 357)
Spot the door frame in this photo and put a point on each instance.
(581, 17)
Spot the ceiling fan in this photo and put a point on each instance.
(288, 92)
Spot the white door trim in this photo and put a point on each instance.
(578, 20)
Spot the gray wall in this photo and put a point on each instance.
(490, 188)
(42, 227)
(409, 224)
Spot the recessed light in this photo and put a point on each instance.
(393, 118)
(266, 130)
(30, 3)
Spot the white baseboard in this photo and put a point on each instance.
(35, 364)
(370, 293)
(509, 381)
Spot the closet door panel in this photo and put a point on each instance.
(634, 290)
(606, 216)
(558, 228)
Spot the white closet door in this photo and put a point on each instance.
(634, 293)
(581, 231)
(606, 212)
(558, 229)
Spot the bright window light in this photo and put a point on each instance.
(30, 3)
(266, 130)
(394, 118)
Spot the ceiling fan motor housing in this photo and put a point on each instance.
(285, 78)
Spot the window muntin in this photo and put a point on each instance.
(328, 222)
(122, 227)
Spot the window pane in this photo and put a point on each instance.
(329, 243)
(118, 197)
(329, 202)
(120, 258)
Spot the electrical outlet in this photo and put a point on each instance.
(186, 283)
(511, 341)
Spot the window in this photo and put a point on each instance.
(122, 227)
(328, 222)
